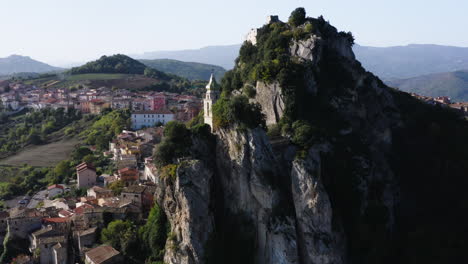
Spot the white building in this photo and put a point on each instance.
(150, 118)
(212, 95)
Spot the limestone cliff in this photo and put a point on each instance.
(339, 198)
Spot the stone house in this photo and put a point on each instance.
(24, 221)
(85, 238)
(50, 244)
(86, 175)
(128, 175)
(98, 192)
(140, 195)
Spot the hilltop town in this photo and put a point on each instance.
(297, 155)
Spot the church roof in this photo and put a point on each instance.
(212, 85)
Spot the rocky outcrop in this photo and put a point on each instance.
(269, 96)
(308, 50)
(247, 171)
(320, 244)
(186, 202)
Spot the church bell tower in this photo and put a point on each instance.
(212, 95)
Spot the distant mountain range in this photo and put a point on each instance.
(452, 84)
(390, 62)
(19, 64)
(411, 60)
(189, 70)
(223, 56)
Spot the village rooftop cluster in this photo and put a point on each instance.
(148, 108)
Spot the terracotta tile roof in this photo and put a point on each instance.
(83, 208)
(127, 169)
(65, 213)
(101, 254)
(84, 166)
(98, 189)
(56, 220)
(55, 186)
(162, 112)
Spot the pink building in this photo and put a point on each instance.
(158, 102)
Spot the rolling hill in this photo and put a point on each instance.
(18, 64)
(111, 64)
(119, 72)
(189, 70)
(452, 84)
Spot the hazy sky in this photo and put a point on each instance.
(64, 31)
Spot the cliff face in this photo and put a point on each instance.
(258, 199)
(186, 200)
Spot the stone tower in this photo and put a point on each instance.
(212, 95)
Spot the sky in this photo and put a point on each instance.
(61, 32)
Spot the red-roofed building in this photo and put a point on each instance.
(82, 209)
(128, 175)
(54, 190)
(65, 213)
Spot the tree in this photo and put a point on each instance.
(153, 234)
(298, 17)
(121, 235)
(117, 187)
(175, 144)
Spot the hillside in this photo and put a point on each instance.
(119, 72)
(223, 56)
(189, 70)
(411, 60)
(19, 64)
(314, 160)
(111, 64)
(452, 84)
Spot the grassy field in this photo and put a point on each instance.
(97, 76)
(42, 156)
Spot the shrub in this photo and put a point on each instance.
(237, 110)
(153, 234)
(250, 91)
(175, 144)
(298, 17)
(169, 171)
(121, 235)
(274, 130)
(304, 134)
